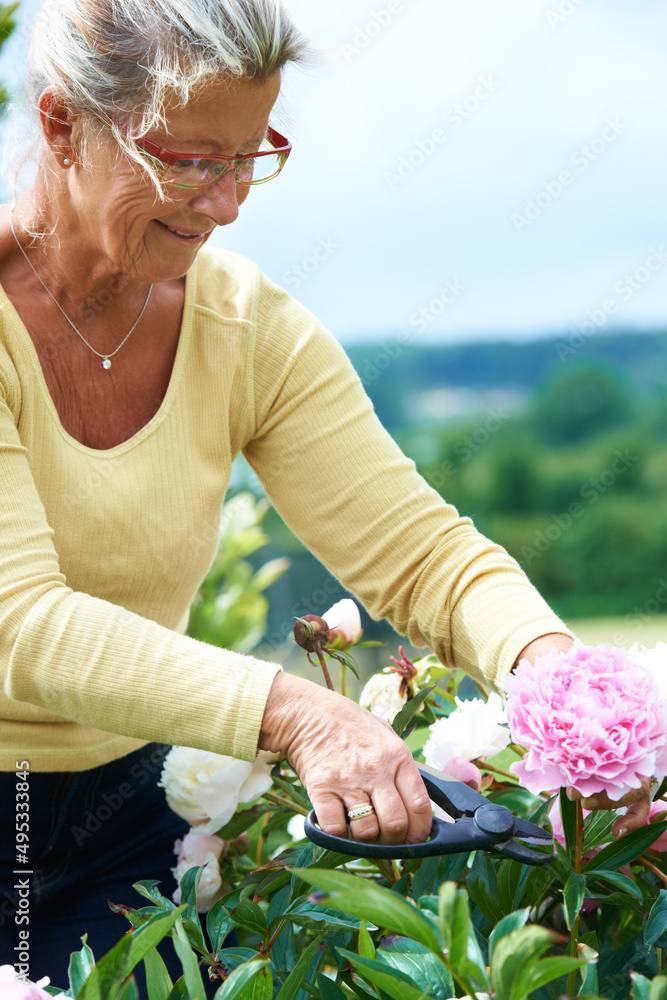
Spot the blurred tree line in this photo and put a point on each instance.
(573, 485)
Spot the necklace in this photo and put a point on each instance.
(106, 358)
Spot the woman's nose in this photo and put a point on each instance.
(220, 201)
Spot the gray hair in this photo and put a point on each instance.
(126, 59)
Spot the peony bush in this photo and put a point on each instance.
(591, 922)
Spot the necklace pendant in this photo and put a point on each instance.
(106, 363)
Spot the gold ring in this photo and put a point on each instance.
(363, 809)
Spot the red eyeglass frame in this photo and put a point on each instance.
(168, 158)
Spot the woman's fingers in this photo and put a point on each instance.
(418, 805)
(635, 816)
(347, 757)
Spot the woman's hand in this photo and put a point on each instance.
(346, 757)
(638, 803)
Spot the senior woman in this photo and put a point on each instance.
(134, 365)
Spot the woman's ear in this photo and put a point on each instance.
(58, 117)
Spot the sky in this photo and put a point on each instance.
(466, 169)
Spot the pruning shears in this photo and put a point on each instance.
(479, 825)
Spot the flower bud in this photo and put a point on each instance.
(319, 637)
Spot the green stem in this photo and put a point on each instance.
(278, 800)
(342, 679)
(325, 671)
(384, 869)
(499, 770)
(649, 864)
(272, 940)
(574, 952)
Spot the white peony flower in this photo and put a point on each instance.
(207, 788)
(383, 695)
(473, 731)
(344, 620)
(194, 850)
(654, 660)
(295, 827)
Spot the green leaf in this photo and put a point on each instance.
(191, 973)
(617, 880)
(640, 986)
(366, 948)
(658, 990)
(108, 974)
(328, 989)
(241, 821)
(242, 978)
(146, 937)
(425, 971)
(512, 922)
(573, 897)
(250, 917)
(410, 709)
(512, 880)
(158, 980)
(514, 959)
(391, 981)
(130, 991)
(312, 916)
(548, 969)
(148, 889)
(345, 658)
(626, 848)
(454, 922)
(657, 920)
(372, 902)
(80, 966)
(568, 812)
(180, 990)
(292, 984)
(218, 925)
(434, 871)
(484, 899)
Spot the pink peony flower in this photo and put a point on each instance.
(200, 849)
(12, 988)
(344, 622)
(590, 718)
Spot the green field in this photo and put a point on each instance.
(620, 632)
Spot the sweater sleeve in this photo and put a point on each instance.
(96, 663)
(341, 483)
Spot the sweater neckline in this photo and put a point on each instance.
(184, 337)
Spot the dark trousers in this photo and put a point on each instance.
(92, 834)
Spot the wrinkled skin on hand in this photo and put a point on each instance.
(345, 756)
(638, 801)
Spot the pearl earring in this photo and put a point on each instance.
(67, 162)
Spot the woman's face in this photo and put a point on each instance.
(117, 211)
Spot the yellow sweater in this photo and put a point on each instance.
(101, 552)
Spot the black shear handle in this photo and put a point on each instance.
(445, 838)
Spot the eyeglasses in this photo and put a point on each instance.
(185, 170)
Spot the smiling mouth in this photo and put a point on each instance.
(190, 237)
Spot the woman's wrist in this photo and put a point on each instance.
(544, 644)
(286, 702)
